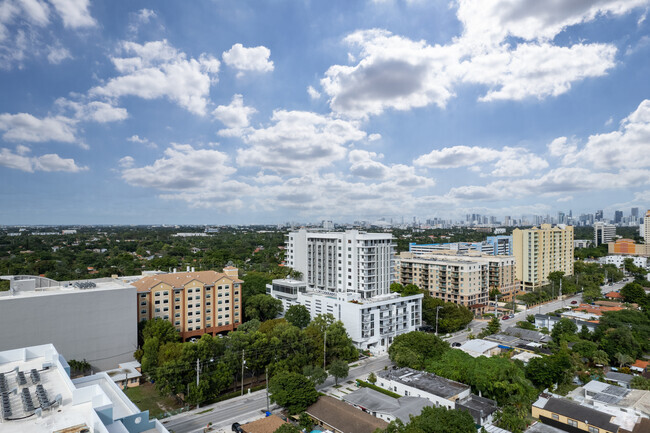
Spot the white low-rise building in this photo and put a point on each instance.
(479, 347)
(38, 396)
(619, 261)
(371, 323)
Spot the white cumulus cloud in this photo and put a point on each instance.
(236, 114)
(49, 162)
(253, 59)
(157, 70)
(25, 127)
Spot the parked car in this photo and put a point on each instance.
(505, 317)
(456, 344)
(236, 427)
(574, 302)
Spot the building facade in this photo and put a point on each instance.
(348, 274)
(494, 245)
(603, 233)
(541, 250)
(92, 320)
(342, 262)
(628, 247)
(195, 302)
(464, 279)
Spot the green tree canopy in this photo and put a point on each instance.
(634, 292)
(263, 307)
(339, 369)
(293, 391)
(287, 428)
(315, 373)
(563, 328)
(435, 420)
(298, 315)
(451, 317)
(160, 328)
(415, 349)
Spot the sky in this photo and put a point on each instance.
(261, 112)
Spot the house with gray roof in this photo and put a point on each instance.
(385, 407)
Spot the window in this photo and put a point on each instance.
(555, 417)
(572, 422)
(143, 311)
(143, 303)
(593, 429)
(157, 302)
(177, 307)
(157, 294)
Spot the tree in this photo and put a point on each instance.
(160, 328)
(250, 326)
(315, 373)
(305, 422)
(451, 317)
(563, 328)
(298, 315)
(435, 420)
(623, 359)
(600, 357)
(633, 292)
(255, 283)
(416, 349)
(372, 378)
(339, 369)
(287, 428)
(640, 382)
(293, 391)
(493, 327)
(263, 307)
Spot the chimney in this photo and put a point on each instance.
(192, 268)
(188, 269)
(174, 270)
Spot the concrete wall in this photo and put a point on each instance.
(95, 324)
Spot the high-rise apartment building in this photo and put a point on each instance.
(195, 302)
(541, 250)
(599, 215)
(341, 262)
(348, 275)
(603, 233)
(634, 212)
(464, 279)
(646, 227)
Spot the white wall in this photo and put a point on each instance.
(97, 325)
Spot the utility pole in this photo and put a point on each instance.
(267, 389)
(561, 292)
(197, 379)
(243, 361)
(437, 309)
(325, 350)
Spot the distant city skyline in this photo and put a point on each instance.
(248, 112)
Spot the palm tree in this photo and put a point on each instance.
(623, 359)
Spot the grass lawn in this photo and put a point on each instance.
(146, 397)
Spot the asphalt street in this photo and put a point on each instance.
(252, 405)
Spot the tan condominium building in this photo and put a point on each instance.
(195, 302)
(541, 250)
(464, 279)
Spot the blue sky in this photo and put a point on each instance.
(242, 112)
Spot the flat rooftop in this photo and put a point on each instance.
(424, 381)
(38, 396)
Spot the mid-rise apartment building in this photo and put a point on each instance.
(603, 233)
(348, 274)
(464, 279)
(494, 245)
(646, 227)
(195, 302)
(541, 250)
(90, 319)
(341, 262)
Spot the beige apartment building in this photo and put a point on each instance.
(541, 250)
(195, 302)
(464, 279)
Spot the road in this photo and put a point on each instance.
(252, 405)
(477, 326)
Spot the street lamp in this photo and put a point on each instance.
(437, 309)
